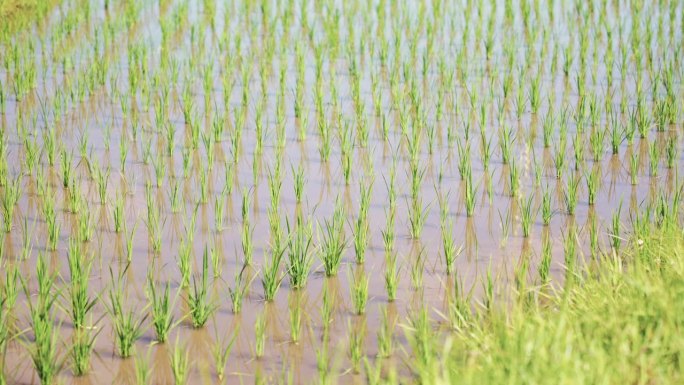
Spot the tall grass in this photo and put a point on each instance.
(585, 313)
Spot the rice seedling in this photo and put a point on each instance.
(578, 150)
(10, 288)
(570, 255)
(417, 217)
(129, 240)
(545, 263)
(419, 334)
(616, 135)
(10, 198)
(219, 207)
(523, 294)
(643, 120)
(391, 276)
(161, 309)
(260, 335)
(593, 237)
(417, 269)
(209, 150)
(154, 224)
(126, 322)
(671, 152)
(631, 127)
(361, 227)
(538, 174)
(593, 179)
(81, 303)
(203, 180)
(81, 351)
(388, 232)
(653, 158)
(547, 128)
(357, 337)
(615, 239)
(4, 336)
(295, 323)
(346, 145)
(299, 254)
(506, 140)
(238, 293)
(221, 352)
(32, 154)
(50, 144)
(535, 94)
(187, 162)
(358, 291)
(86, 227)
(634, 168)
(200, 306)
(513, 178)
(299, 182)
(547, 213)
(470, 193)
(596, 141)
(464, 166)
(529, 214)
(180, 363)
(520, 101)
(271, 276)
(66, 165)
(53, 226)
(324, 149)
(571, 194)
(43, 349)
(449, 247)
(505, 224)
(142, 368)
(559, 160)
(118, 213)
(488, 288)
(332, 240)
(27, 248)
(486, 151)
(275, 183)
(385, 335)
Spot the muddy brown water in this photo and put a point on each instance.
(486, 247)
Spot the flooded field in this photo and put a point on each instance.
(280, 192)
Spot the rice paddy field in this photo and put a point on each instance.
(324, 192)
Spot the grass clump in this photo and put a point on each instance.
(620, 324)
